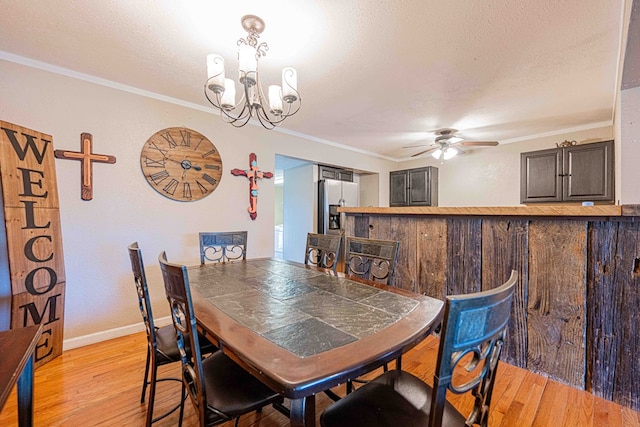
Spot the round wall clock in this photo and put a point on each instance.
(181, 164)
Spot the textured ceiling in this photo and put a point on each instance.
(374, 75)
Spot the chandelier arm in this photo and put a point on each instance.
(206, 94)
(298, 104)
(236, 120)
(264, 119)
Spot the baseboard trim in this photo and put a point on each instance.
(122, 331)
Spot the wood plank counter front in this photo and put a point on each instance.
(577, 309)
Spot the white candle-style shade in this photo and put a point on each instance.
(215, 72)
(289, 84)
(247, 58)
(275, 99)
(228, 100)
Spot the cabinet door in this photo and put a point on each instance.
(541, 176)
(420, 187)
(345, 176)
(398, 188)
(326, 173)
(588, 172)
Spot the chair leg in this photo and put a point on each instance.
(183, 397)
(146, 376)
(349, 387)
(152, 392)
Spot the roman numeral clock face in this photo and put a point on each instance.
(181, 164)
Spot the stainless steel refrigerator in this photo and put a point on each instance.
(332, 194)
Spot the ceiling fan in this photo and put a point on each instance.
(447, 145)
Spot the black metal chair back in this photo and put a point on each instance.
(184, 322)
(323, 250)
(471, 339)
(223, 246)
(161, 343)
(474, 324)
(371, 259)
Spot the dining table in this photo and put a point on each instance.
(301, 329)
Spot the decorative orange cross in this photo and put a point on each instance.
(87, 158)
(254, 175)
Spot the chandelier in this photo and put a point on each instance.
(282, 102)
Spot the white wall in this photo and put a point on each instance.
(370, 188)
(630, 153)
(300, 197)
(490, 176)
(99, 289)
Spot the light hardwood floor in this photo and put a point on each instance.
(100, 385)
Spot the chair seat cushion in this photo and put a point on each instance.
(396, 398)
(167, 347)
(232, 390)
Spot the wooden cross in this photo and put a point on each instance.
(254, 175)
(87, 158)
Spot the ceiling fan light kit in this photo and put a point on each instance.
(446, 145)
(445, 153)
(282, 101)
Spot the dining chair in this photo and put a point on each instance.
(219, 389)
(162, 348)
(472, 336)
(223, 246)
(323, 250)
(371, 259)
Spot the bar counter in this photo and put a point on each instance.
(575, 316)
(547, 210)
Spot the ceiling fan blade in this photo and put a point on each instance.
(424, 151)
(478, 143)
(418, 145)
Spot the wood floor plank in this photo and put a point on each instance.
(630, 418)
(551, 408)
(508, 381)
(100, 385)
(579, 411)
(525, 404)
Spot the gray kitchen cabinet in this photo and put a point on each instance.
(328, 172)
(414, 187)
(575, 173)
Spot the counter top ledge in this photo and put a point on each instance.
(564, 210)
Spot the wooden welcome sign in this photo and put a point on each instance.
(32, 273)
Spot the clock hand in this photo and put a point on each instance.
(186, 164)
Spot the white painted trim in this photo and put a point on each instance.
(122, 331)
